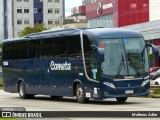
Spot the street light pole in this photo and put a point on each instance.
(61, 20)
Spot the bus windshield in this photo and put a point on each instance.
(124, 57)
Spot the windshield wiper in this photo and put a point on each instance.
(120, 67)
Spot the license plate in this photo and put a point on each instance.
(129, 91)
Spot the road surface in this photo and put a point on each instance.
(44, 103)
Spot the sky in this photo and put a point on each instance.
(69, 4)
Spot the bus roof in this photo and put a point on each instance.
(97, 32)
(113, 33)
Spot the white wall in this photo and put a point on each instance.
(52, 16)
(154, 6)
(9, 20)
(22, 16)
(1, 21)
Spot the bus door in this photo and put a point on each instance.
(93, 71)
(94, 65)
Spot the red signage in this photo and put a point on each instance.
(100, 8)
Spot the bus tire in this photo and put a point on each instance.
(80, 94)
(121, 99)
(22, 91)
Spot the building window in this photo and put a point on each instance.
(49, 0)
(50, 22)
(35, 10)
(26, 0)
(133, 5)
(19, 22)
(57, 23)
(50, 10)
(56, 0)
(57, 10)
(19, 0)
(26, 10)
(38, 0)
(26, 22)
(19, 10)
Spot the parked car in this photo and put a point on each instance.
(155, 75)
(154, 72)
(153, 69)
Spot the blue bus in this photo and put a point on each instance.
(95, 63)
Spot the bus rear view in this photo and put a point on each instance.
(96, 63)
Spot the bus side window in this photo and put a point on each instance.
(14, 50)
(6, 51)
(74, 48)
(47, 48)
(23, 50)
(60, 46)
(32, 49)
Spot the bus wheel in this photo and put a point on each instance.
(80, 95)
(22, 91)
(56, 97)
(121, 99)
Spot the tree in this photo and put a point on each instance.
(29, 29)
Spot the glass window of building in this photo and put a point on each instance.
(50, 10)
(57, 10)
(19, 10)
(19, 22)
(26, 10)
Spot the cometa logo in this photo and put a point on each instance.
(60, 66)
(101, 7)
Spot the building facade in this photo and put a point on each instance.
(6, 20)
(17, 14)
(38, 12)
(79, 14)
(117, 13)
(22, 15)
(154, 6)
(2, 20)
(53, 13)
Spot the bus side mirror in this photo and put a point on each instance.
(100, 52)
(154, 50)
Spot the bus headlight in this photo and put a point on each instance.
(109, 84)
(145, 82)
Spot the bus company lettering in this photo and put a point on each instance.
(60, 66)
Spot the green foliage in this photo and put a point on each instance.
(155, 93)
(29, 29)
(0, 45)
(150, 56)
